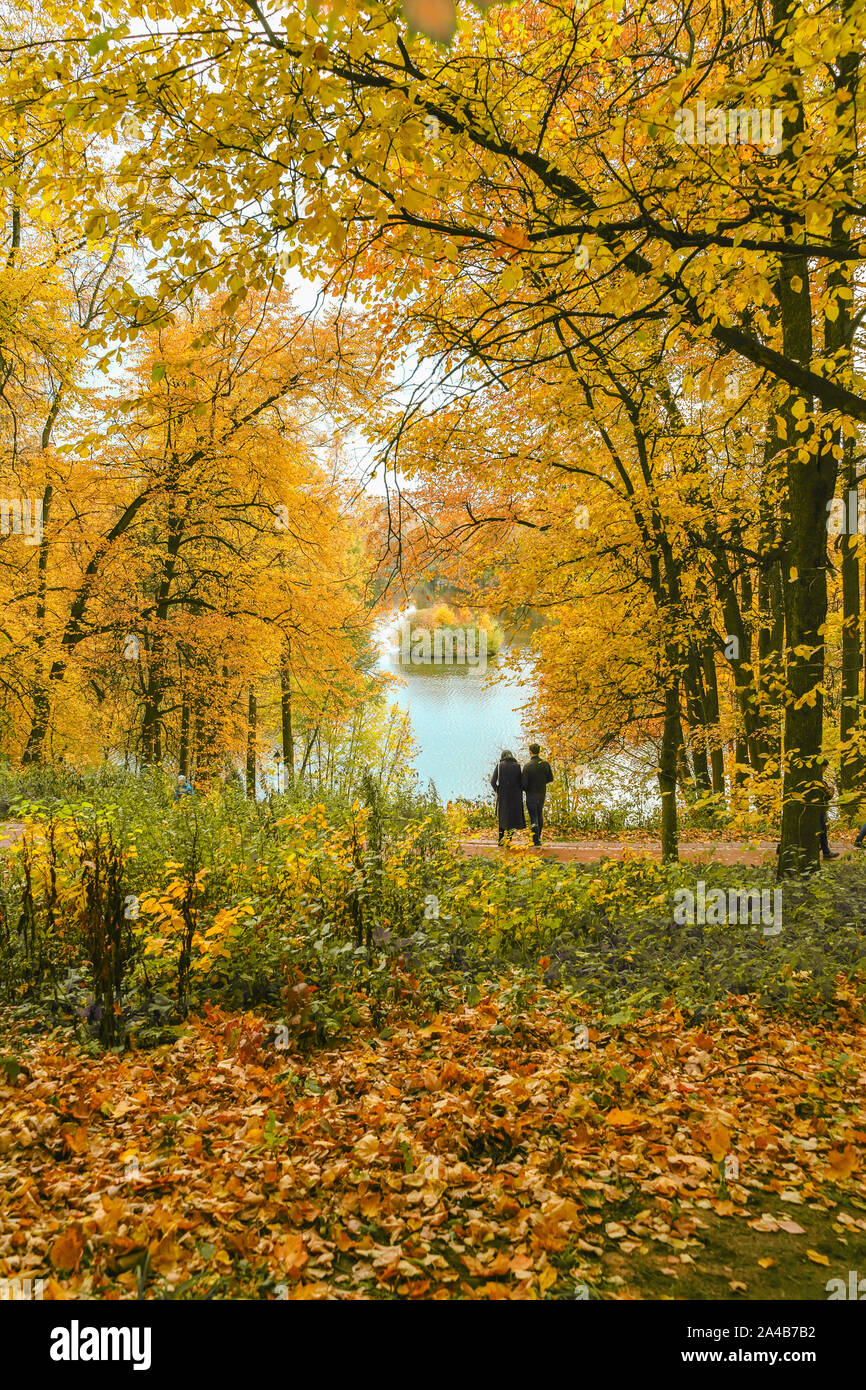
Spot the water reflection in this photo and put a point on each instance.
(461, 720)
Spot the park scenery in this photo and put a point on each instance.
(432, 738)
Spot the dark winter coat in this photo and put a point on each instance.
(536, 775)
(506, 782)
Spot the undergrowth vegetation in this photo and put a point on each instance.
(125, 911)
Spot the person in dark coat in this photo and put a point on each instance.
(507, 783)
(536, 775)
(827, 793)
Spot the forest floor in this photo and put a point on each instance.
(482, 1155)
(515, 1148)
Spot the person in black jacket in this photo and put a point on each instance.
(536, 775)
(507, 783)
(828, 791)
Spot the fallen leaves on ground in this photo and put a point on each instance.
(483, 1155)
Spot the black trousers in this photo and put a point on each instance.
(823, 842)
(535, 808)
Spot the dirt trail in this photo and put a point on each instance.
(750, 852)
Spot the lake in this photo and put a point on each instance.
(461, 721)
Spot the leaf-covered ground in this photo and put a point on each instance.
(592, 850)
(497, 1152)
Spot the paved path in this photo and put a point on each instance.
(751, 852)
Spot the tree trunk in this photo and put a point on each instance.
(769, 673)
(850, 753)
(151, 721)
(838, 341)
(183, 750)
(286, 711)
(251, 746)
(697, 717)
(34, 750)
(810, 484)
(667, 772)
(711, 704)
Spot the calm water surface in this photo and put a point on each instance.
(461, 721)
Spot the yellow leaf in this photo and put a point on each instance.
(816, 1258)
(367, 1148)
(718, 1142)
(842, 1162)
(621, 1119)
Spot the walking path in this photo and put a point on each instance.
(751, 852)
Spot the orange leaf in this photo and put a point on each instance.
(621, 1119)
(291, 1253)
(67, 1249)
(723, 1207)
(76, 1139)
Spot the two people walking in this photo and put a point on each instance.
(511, 782)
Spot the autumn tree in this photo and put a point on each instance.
(569, 152)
